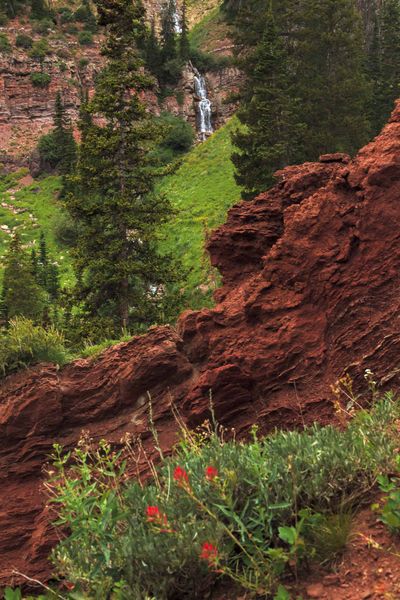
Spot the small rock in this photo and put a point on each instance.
(315, 590)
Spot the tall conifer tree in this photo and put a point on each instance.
(21, 295)
(168, 32)
(390, 56)
(115, 206)
(272, 134)
(332, 86)
(184, 44)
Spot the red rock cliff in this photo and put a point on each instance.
(311, 274)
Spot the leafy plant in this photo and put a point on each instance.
(40, 80)
(24, 343)
(249, 511)
(390, 509)
(5, 46)
(23, 41)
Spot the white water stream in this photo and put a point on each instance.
(204, 108)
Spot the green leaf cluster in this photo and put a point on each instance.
(271, 505)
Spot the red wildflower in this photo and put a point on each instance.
(211, 473)
(180, 476)
(70, 586)
(153, 513)
(209, 553)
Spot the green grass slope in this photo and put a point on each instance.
(29, 210)
(201, 192)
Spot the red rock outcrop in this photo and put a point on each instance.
(311, 273)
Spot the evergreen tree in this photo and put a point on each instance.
(390, 58)
(21, 295)
(153, 53)
(63, 139)
(39, 9)
(332, 85)
(184, 44)
(168, 32)
(114, 205)
(273, 131)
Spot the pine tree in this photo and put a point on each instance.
(332, 86)
(168, 32)
(39, 9)
(272, 132)
(153, 52)
(21, 295)
(184, 44)
(390, 58)
(63, 139)
(115, 206)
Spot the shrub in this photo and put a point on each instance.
(25, 343)
(66, 14)
(83, 62)
(71, 29)
(5, 46)
(23, 41)
(244, 510)
(43, 26)
(3, 19)
(205, 61)
(390, 509)
(40, 49)
(40, 80)
(85, 38)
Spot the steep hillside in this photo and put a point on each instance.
(201, 191)
(32, 207)
(310, 291)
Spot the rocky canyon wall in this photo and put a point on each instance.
(310, 289)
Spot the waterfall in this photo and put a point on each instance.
(204, 107)
(177, 19)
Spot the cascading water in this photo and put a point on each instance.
(177, 19)
(204, 106)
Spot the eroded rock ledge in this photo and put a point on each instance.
(311, 274)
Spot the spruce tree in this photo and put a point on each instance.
(332, 86)
(390, 58)
(168, 32)
(184, 44)
(21, 295)
(115, 206)
(272, 134)
(39, 9)
(63, 139)
(153, 53)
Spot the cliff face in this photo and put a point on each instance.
(26, 111)
(310, 288)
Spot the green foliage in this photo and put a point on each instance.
(201, 192)
(390, 509)
(21, 295)
(113, 201)
(243, 510)
(25, 343)
(40, 49)
(177, 140)
(43, 26)
(24, 41)
(273, 133)
(39, 9)
(58, 149)
(5, 46)
(293, 85)
(85, 38)
(40, 80)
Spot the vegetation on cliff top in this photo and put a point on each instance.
(259, 513)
